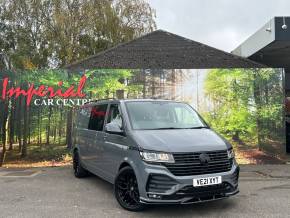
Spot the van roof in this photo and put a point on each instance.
(127, 100)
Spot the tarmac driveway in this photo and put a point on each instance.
(54, 192)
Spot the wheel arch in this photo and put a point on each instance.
(124, 164)
(128, 163)
(74, 149)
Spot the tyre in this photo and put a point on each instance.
(126, 190)
(79, 171)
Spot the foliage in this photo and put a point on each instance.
(105, 82)
(53, 33)
(38, 37)
(101, 83)
(246, 103)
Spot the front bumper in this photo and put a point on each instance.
(162, 187)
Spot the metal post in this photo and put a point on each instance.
(286, 84)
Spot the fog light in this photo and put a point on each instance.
(154, 196)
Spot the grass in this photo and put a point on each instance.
(39, 156)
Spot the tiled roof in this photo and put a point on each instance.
(163, 50)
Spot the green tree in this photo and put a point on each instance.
(229, 91)
(52, 33)
(247, 104)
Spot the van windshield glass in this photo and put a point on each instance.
(163, 115)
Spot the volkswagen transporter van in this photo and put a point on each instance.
(154, 152)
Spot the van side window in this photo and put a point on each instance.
(114, 115)
(97, 118)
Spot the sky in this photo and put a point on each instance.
(223, 24)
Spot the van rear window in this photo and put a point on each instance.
(97, 118)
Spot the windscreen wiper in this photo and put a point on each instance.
(166, 128)
(198, 127)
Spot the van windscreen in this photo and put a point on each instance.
(163, 115)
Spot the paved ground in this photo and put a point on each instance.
(54, 192)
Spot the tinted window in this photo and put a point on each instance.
(97, 118)
(158, 115)
(83, 117)
(114, 115)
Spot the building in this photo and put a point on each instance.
(157, 59)
(270, 46)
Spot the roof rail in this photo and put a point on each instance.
(103, 99)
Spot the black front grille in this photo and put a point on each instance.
(187, 164)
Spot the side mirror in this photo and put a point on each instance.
(113, 128)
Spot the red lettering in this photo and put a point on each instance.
(42, 91)
(81, 86)
(5, 83)
(69, 92)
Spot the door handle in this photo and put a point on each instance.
(105, 137)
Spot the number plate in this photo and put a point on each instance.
(207, 181)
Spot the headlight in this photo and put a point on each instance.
(156, 157)
(231, 153)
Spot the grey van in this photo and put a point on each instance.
(154, 152)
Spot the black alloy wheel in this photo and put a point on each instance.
(79, 171)
(126, 190)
